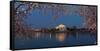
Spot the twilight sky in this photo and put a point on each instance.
(38, 20)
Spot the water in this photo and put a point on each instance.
(38, 39)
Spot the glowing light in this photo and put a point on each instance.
(60, 36)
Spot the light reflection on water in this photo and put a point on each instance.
(39, 39)
(60, 36)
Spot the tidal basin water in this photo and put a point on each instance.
(38, 39)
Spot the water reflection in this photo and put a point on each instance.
(39, 39)
(37, 35)
(50, 35)
(60, 36)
